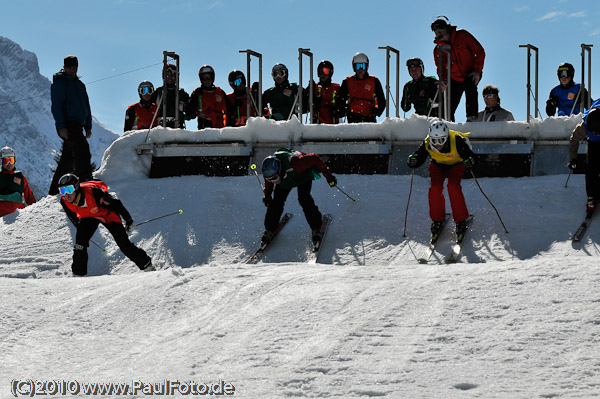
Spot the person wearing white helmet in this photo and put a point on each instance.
(143, 114)
(451, 155)
(15, 192)
(361, 96)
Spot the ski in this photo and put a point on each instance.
(583, 226)
(433, 241)
(314, 255)
(262, 248)
(457, 247)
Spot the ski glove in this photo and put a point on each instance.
(412, 161)
(267, 200)
(469, 162)
(129, 225)
(572, 164)
(330, 179)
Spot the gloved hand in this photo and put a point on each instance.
(412, 161)
(469, 162)
(267, 200)
(129, 225)
(330, 179)
(572, 164)
(551, 105)
(376, 111)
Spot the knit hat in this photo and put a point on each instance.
(71, 61)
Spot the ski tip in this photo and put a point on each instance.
(422, 261)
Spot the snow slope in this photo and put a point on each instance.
(517, 317)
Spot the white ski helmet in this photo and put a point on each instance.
(438, 133)
(360, 58)
(7, 152)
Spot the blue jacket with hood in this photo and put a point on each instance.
(70, 102)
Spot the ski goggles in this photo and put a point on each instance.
(66, 190)
(360, 65)
(438, 140)
(145, 90)
(8, 160)
(326, 71)
(237, 82)
(563, 74)
(279, 74)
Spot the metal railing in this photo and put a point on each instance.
(586, 102)
(170, 55)
(389, 50)
(306, 52)
(531, 48)
(249, 97)
(446, 111)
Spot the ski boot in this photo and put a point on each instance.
(461, 229)
(591, 203)
(436, 229)
(266, 238)
(148, 267)
(317, 237)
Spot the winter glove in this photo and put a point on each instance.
(376, 111)
(330, 179)
(551, 105)
(129, 225)
(267, 200)
(412, 161)
(469, 162)
(572, 164)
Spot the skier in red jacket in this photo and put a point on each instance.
(208, 102)
(88, 204)
(467, 57)
(15, 192)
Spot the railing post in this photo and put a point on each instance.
(301, 52)
(166, 56)
(586, 102)
(249, 98)
(530, 48)
(446, 111)
(389, 49)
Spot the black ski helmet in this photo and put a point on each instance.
(146, 84)
(415, 62)
(279, 67)
(237, 79)
(68, 180)
(271, 166)
(323, 67)
(565, 66)
(592, 121)
(207, 69)
(169, 69)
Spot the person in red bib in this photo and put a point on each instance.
(325, 95)
(208, 102)
(237, 100)
(451, 155)
(15, 192)
(361, 96)
(143, 114)
(87, 204)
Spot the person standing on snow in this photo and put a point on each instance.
(467, 57)
(361, 96)
(589, 130)
(420, 91)
(143, 113)
(325, 95)
(237, 100)
(493, 112)
(15, 192)
(451, 155)
(208, 102)
(567, 94)
(283, 96)
(169, 74)
(72, 114)
(87, 204)
(283, 171)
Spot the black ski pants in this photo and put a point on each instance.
(86, 229)
(592, 172)
(359, 118)
(457, 89)
(306, 201)
(75, 157)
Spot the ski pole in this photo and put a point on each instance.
(568, 177)
(343, 192)
(408, 202)
(159, 217)
(486, 197)
(253, 167)
(94, 242)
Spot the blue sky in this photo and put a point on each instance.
(112, 37)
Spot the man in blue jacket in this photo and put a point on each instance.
(566, 97)
(72, 114)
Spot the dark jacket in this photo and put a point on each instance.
(70, 102)
(298, 168)
(420, 93)
(282, 98)
(171, 107)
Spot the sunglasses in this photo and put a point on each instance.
(66, 190)
(360, 65)
(7, 160)
(279, 74)
(488, 95)
(146, 90)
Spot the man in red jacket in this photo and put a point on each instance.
(14, 188)
(467, 57)
(88, 204)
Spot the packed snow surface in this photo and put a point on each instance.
(516, 317)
